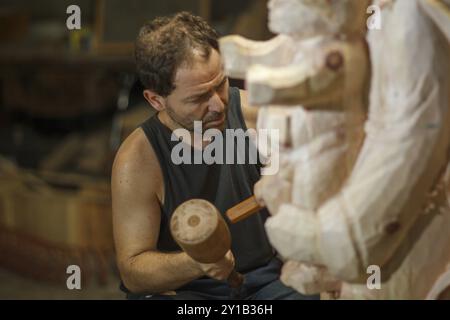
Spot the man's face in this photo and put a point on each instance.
(201, 94)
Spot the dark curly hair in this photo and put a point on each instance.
(165, 43)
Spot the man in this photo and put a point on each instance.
(179, 64)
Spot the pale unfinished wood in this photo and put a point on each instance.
(384, 203)
(392, 211)
(200, 231)
(321, 73)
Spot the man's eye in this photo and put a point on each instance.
(200, 100)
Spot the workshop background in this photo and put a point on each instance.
(68, 98)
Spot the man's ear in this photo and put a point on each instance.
(155, 100)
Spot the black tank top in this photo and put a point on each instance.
(224, 185)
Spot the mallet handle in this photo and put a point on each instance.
(243, 210)
(235, 279)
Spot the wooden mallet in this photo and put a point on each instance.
(199, 229)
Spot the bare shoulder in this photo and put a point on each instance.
(136, 167)
(136, 185)
(250, 113)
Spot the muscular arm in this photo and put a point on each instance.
(136, 193)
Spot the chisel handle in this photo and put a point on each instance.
(235, 279)
(243, 210)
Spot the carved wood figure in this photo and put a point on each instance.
(392, 209)
(321, 74)
(404, 225)
(199, 229)
(312, 79)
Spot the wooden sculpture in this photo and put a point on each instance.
(317, 69)
(390, 209)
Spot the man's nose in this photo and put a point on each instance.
(215, 104)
